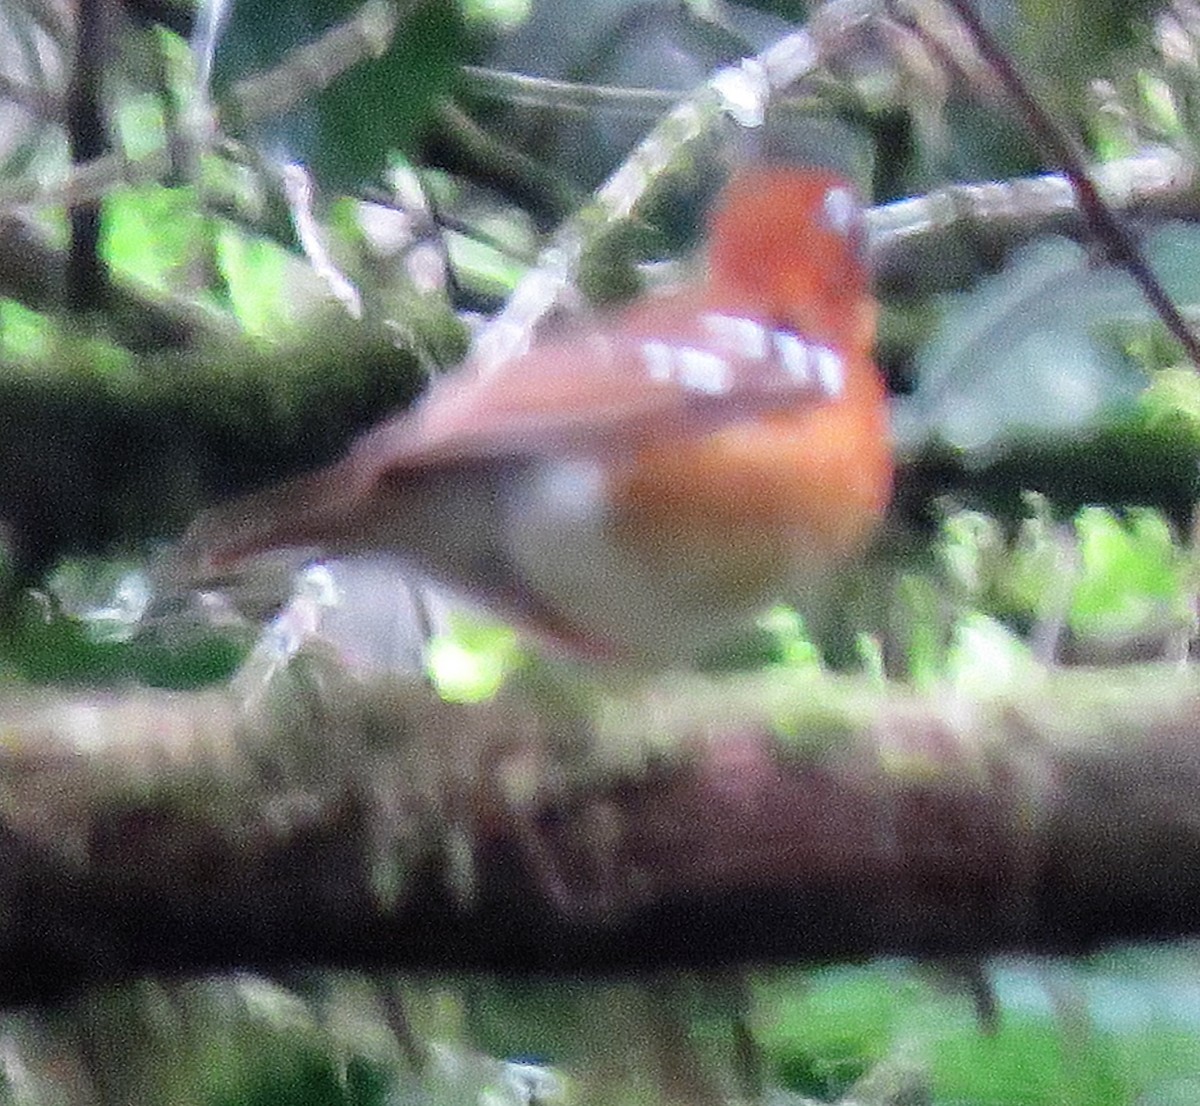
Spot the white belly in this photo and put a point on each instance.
(659, 603)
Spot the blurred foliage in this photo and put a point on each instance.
(1066, 43)
(1118, 1028)
(345, 131)
(37, 646)
(431, 193)
(623, 44)
(1106, 580)
(471, 662)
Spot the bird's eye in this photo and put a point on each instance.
(842, 214)
(841, 211)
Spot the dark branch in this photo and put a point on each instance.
(176, 834)
(87, 135)
(1109, 230)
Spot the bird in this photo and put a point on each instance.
(639, 484)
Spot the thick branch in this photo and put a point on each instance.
(92, 461)
(772, 818)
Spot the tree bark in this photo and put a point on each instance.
(364, 823)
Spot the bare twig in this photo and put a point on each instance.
(1111, 232)
(298, 189)
(542, 92)
(314, 66)
(42, 104)
(740, 91)
(54, 19)
(89, 180)
(1161, 184)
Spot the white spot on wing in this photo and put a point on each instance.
(831, 370)
(657, 356)
(738, 343)
(794, 354)
(841, 211)
(703, 371)
(741, 336)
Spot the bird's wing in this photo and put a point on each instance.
(676, 367)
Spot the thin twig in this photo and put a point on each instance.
(298, 190)
(314, 66)
(55, 19)
(542, 92)
(739, 91)
(43, 105)
(1162, 184)
(1111, 232)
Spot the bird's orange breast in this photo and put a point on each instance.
(806, 486)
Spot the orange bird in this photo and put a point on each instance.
(635, 487)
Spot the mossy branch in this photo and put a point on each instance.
(102, 457)
(366, 823)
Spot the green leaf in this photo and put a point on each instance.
(346, 130)
(151, 233)
(387, 104)
(312, 1079)
(255, 272)
(469, 664)
(55, 648)
(1132, 574)
(1022, 354)
(820, 1039)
